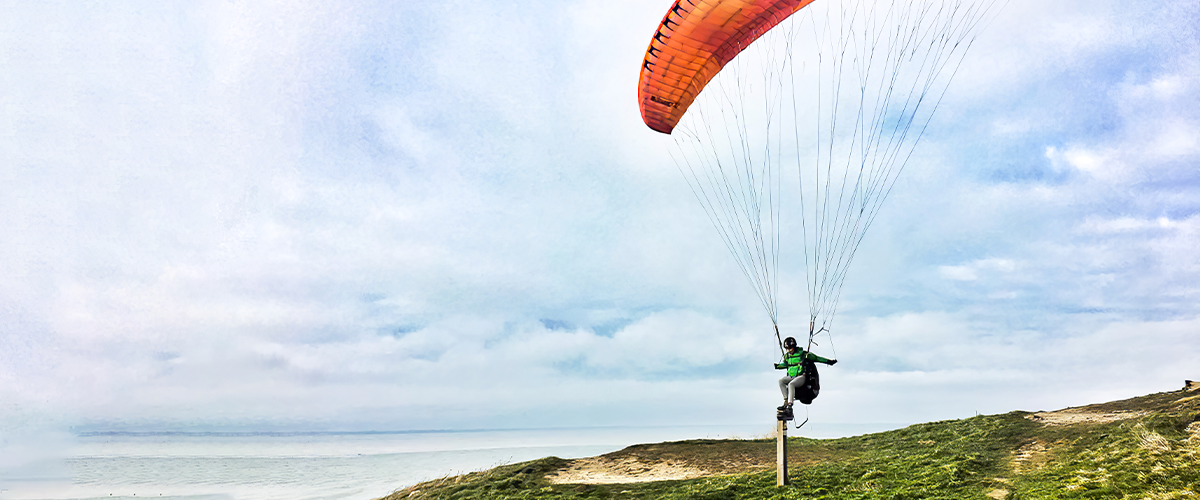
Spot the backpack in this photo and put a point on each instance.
(812, 384)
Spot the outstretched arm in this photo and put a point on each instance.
(819, 359)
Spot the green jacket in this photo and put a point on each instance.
(794, 362)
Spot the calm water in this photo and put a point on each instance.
(299, 466)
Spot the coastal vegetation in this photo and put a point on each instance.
(1141, 448)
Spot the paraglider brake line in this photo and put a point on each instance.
(806, 417)
(813, 335)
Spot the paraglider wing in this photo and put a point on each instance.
(694, 41)
(846, 111)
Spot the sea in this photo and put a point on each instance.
(316, 465)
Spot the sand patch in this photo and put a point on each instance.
(683, 460)
(602, 470)
(1073, 416)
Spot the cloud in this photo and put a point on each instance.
(375, 216)
(970, 272)
(1128, 224)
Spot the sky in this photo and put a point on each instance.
(449, 215)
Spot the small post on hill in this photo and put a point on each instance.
(781, 472)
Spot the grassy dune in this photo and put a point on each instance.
(1141, 448)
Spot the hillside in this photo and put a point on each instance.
(1141, 448)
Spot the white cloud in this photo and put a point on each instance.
(959, 273)
(1125, 224)
(1095, 163)
(970, 271)
(1165, 88)
(1176, 139)
(380, 214)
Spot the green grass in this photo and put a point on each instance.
(1152, 456)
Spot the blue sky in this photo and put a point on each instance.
(381, 216)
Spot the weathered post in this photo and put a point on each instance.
(781, 473)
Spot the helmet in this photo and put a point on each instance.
(789, 342)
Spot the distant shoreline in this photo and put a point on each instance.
(873, 426)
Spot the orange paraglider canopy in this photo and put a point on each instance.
(694, 41)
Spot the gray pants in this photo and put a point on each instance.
(788, 385)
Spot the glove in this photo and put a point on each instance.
(780, 366)
(832, 362)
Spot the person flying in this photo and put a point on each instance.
(793, 361)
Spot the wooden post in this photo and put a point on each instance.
(781, 472)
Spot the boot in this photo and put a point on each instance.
(785, 413)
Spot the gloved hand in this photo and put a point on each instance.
(832, 362)
(780, 366)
